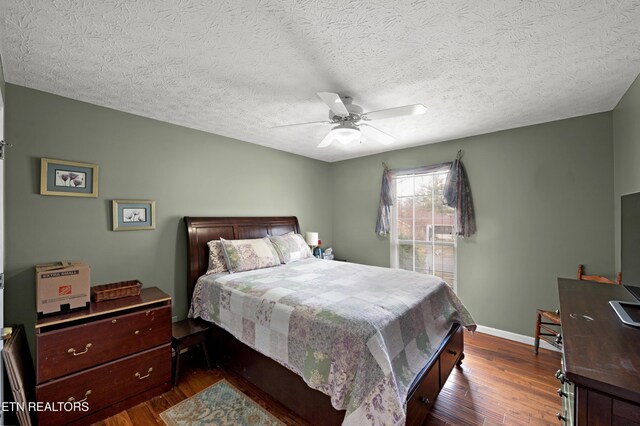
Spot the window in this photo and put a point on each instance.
(423, 228)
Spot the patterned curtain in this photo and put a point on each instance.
(457, 194)
(383, 224)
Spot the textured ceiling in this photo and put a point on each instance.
(238, 67)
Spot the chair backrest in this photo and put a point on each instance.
(598, 278)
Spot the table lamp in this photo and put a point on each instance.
(312, 240)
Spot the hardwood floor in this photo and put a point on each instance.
(500, 382)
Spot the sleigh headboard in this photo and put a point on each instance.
(201, 230)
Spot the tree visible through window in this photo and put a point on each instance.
(423, 235)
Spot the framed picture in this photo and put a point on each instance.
(134, 215)
(68, 178)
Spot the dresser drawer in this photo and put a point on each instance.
(421, 400)
(71, 349)
(105, 385)
(450, 355)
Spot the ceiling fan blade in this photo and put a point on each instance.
(395, 112)
(334, 103)
(328, 140)
(300, 124)
(378, 135)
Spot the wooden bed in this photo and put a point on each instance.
(267, 374)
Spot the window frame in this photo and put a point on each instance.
(393, 236)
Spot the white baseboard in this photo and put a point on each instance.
(515, 337)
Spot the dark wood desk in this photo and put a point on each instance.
(601, 355)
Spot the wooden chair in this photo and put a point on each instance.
(548, 322)
(598, 278)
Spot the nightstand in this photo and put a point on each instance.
(185, 334)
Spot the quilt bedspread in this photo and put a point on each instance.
(358, 333)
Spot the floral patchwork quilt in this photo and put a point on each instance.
(358, 333)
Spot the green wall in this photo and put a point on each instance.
(2, 84)
(543, 205)
(626, 152)
(542, 196)
(187, 172)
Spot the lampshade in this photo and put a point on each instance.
(346, 133)
(311, 238)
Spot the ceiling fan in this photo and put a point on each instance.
(349, 118)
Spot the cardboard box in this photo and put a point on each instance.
(62, 287)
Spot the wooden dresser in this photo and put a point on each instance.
(114, 355)
(601, 357)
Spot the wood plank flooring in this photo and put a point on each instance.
(500, 382)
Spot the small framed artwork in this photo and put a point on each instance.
(68, 178)
(134, 215)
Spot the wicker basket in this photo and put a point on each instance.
(103, 292)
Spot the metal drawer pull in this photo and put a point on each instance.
(136, 332)
(86, 396)
(146, 375)
(424, 400)
(114, 321)
(73, 351)
(452, 352)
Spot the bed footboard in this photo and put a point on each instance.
(432, 378)
(279, 382)
(309, 404)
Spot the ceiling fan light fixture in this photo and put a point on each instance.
(348, 117)
(346, 133)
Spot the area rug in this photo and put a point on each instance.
(218, 405)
